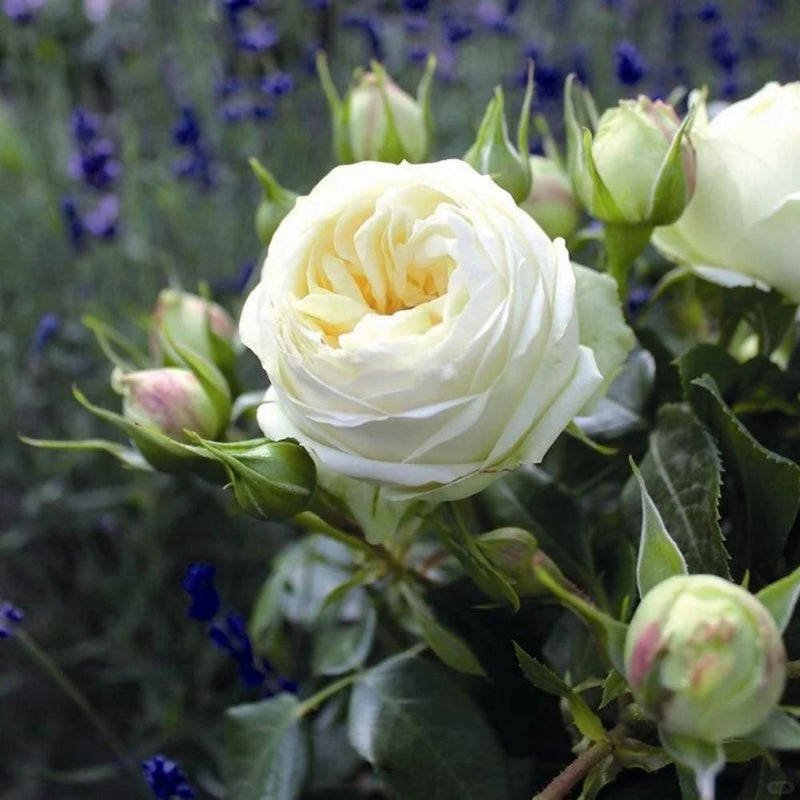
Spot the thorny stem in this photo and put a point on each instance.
(578, 769)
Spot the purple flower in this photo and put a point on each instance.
(96, 165)
(278, 84)
(22, 11)
(75, 227)
(198, 583)
(629, 64)
(258, 39)
(166, 779)
(723, 51)
(85, 127)
(102, 220)
(46, 329)
(186, 131)
(709, 12)
(10, 617)
(456, 29)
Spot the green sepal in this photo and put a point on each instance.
(493, 154)
(275, 205)
(780, 598)
(576, 432)
(424, 97)
(609, 631)
(109, 339)
(161, 452)
(778, 732)
(340, 112)
(542, 677)
(670, 191)
(704, 759)
(602, 204)
(209, 376)
(659, 556)
(579, 112)
(270, 480)
(128, 456)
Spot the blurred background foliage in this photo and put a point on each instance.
(125, 128)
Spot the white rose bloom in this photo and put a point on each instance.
(420, 331)
(743, 224)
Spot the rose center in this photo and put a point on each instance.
(391, 258)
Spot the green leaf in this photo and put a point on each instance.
(780, 598)
(682, 473)
(770, 483)
(540, 675)
(424, 735)
(778, 732)
(613, 686)
(266, 750)
(659, 556)
(344, 633)
(450, 647)
(704, 759)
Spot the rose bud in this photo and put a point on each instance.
(270, 480)
(551, 201)
(169, 399)
(377, 120)
(638, 169)
(515, 554)
(277, 203)
(195, 323)
(493, 154)
(705, 658)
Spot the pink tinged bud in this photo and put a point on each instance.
(171, 400)
(644, 654)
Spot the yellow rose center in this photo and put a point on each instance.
(390, 258)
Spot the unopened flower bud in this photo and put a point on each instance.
(493, 154)
(705, 658)
(377, 120)
(551, 201)
(194, 323)
(270, 480)
(277, 203)
(514, 552)
(639, 167)
(170, 399)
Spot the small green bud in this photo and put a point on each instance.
(514, 552)
(194, 323)
(377, 120)
(277, 203)
(493, 154)
(551, 201)
(704, 657)
(270, 480)
(639, 167)
(170, 399)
